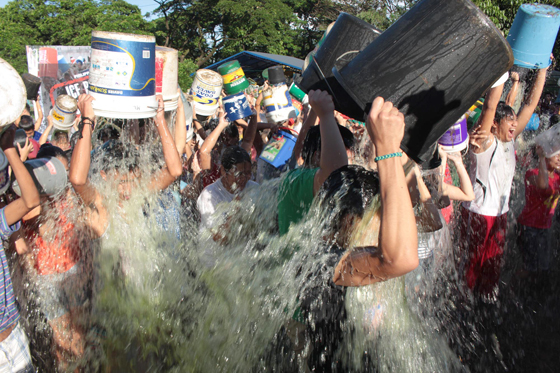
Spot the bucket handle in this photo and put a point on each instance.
(325, 79)
(289, 129)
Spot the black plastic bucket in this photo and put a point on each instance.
(433, 63)
(348, 37)
(32, 84)
(276, 75)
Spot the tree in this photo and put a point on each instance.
(62, 22)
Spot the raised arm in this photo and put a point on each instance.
(465, 191)
(29, 194)
(174, 168)
(45, 134)
(205, 152)
(309, 122)
(180, 126)
(531, 102)
(542, 177)
(37, 106)
(512, 94)
(397, 253)
(333, 152)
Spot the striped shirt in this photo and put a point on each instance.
(9, 315)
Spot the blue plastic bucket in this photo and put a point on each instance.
(533, 33)
(122, 75)
(278, 150)
(534, 123)
(236, 107)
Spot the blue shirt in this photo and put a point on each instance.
(9, 314)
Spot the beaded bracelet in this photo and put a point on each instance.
(387, 156)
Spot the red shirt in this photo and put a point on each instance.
(447, 212)
(539, 203)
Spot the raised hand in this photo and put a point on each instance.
(321, 102)
(385, 125)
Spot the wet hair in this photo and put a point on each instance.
(347, 191)
(114, 152)
(48, 151)
(503, 111)
(60, 135)
(234, 155)
(108, 131)
(231, 131)
(312, 142)
(26, 123)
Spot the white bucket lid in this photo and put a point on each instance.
(13, 94)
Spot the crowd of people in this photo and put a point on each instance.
(387, 217)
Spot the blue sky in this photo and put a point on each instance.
(144, 5)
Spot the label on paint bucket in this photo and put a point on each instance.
(456, 137)
(272, 149)
(122, 67)
(237, 107)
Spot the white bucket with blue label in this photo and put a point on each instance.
(456, 138)
(236, 107)
(205, 91)
(122, 75)
(278, 104)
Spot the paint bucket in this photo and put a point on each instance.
(48, 174)
(432, 64)
(236, 107)
(32, 84)
(533, 33)
(234, 77)
(456, 138)
(205, 91)
(549, 140)
(278, 104)
(122, 75)
(296, 91)
(167, 76)
(12, 94)
(533, 124)
(278, 150)
(48, 62)
(64, 112)
(276, 75)
(4, 173)
(187, 108)
(347, 38)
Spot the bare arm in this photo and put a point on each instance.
(542, 178)
(512, 94)
(45, 135)
(205, 152)
(531, 103)
(465, 191)
(174, 168)
(39, 109)
(180, 127)
(309, 122)
(487, 117)
(398, 245)
(29, 194)
(333, 152)
(251, 131)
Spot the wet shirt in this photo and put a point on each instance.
(8, 311)
(295, 197)
(540, 204)
(491, 175)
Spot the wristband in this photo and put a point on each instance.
(387, 156)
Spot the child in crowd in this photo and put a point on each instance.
(26, 124)
(15, 355)
(542, 190)
(492, 167)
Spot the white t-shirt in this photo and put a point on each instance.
(491, 175)
(211, 197)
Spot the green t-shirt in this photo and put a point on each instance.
(295, 197)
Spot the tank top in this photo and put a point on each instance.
(491, 174)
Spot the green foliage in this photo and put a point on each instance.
(186, 68)
(62, 22)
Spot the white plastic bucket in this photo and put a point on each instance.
(12, 94)
(167, 76)
(456, 138)
(64, 112)
(205, 91)
(278, 104)
(48, 174)
(122, 75)
(549, 140)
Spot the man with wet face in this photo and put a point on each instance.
(235, 178)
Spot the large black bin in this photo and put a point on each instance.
(348, 37)
(433, 64)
